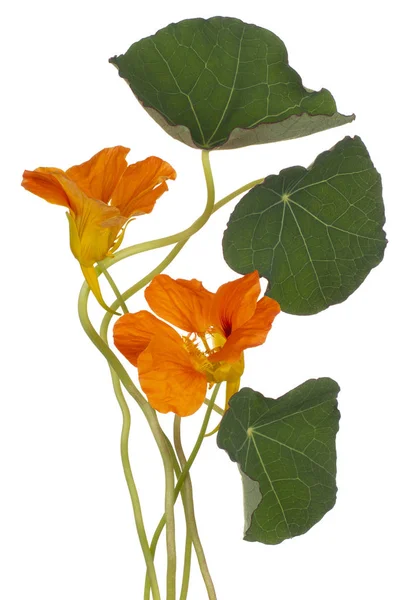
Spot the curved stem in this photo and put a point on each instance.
(139, 285)
(113, 286)
(119, 375)
(137, 511)
(237, 192)
(181, 479)
(103, 347)
(217, 409)
(158, 434)
(191, 519)
(186, 567)
(117, 368)
(126, 425)
(188, 543)
(182, 235)
(172, 254)
(205, 158)
(188, 464)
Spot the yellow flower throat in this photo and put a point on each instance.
(215, 372)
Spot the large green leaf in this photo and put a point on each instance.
(286, 453)
(221, 83)
(314, 233)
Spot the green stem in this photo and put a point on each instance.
(237, 192)
(190, 517)
(182, 477)
(117, 370)
(182, 235)
(186, 567)
(113, 286)
(103, 347)
(137, 511)
(172, 254)
(158, 434)
(139, 285)
(186, 233)
(217, 409)
(188, 543)
(205, 158)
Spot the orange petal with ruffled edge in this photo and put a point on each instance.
(250, 334)
(168, 377)
(235, 303)
(134, 332)
(43, 183)
(184, 303)
(99, 176)
(141, 185)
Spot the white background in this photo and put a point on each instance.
(66, 521)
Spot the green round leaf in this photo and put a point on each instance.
(222, 83)
(314, 233)
(286, 453)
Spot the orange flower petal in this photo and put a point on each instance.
(98, 176)
(168, 378)
(141, 185)
(44, 184)
(134, 332)
(235, 303)
(252, 333)
(186, 304)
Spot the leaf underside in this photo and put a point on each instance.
(221, 83)
(314, 233)
(285, 450)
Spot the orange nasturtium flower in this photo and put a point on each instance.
(102, 195)
(174, 370)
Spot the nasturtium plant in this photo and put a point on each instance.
(313, 233)
(221, 83)
(285, 449)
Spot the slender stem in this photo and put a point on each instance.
(117, 368)
(186, 567)
(139, 285)
(188, 543)
(191, 519)
(176, 465)
(199, 441)
(217, 409)
(182, 477)
(103, 346)
(182, 235)
(205, 158)
(233, 195)
(113, 286)
(137, 511)
(158, 434)
(173, 253)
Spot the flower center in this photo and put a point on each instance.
(215, 372)
(198, 358)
